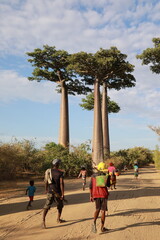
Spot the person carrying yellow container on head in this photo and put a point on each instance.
(99, 194)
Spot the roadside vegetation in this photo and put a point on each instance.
(21, 159)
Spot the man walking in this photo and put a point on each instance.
(99, 194)
(54, 187)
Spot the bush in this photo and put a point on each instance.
(8, 161)
(127, 157)
(156, 157)
(22, 157)
(142, 155)
(18, 158)
(71, 161)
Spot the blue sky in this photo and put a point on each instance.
(30, 110)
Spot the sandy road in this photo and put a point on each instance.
(134, 211)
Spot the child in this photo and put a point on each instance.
(31, 190)
(136, 170)
(83, 173)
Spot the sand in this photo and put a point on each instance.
(133, 211)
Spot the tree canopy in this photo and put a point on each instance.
(88, 104)
(107, 65)
(151, 56)
(51, 64)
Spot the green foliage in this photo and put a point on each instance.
(118, 161)
(71, 161)
(8, 161)
(121, 158)
(22, 157)
(142, 155)
(106, 65)
(88, 104)
(151, 56)
(53, 151)
(156, 157)
(81, 158)
(19, 158)
(51, 64)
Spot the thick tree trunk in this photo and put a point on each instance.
(97, 145)
(105, 122)
(64, 117)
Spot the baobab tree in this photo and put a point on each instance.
(110, 69)
(51, 65)
(116, 75)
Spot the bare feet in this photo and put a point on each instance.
(94, 229)
(60, 221)
(104, 229)
(44, 225)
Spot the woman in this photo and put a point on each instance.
(112, 170)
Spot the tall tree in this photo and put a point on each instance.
(116, 74)
(107, 68)
(111, 107)
(51, 64)
(151, 56)
(85, 65)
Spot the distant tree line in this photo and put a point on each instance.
(21, 159)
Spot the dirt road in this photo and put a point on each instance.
(133, 211)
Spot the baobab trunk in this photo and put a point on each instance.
(105, 122)
(97, 145)
(64, 117)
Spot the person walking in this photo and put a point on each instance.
(30, 190)
(54, 187)
(99, 194)
(112, 173)
(83, 174)
(136, 170)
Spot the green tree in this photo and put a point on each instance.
(88, 104)
(71, 161)
(109, 68)
(151, 56)
(51, 64)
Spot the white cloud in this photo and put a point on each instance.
(77, 25)
(81, 25)
(143, 99)
(27, 24)
(14, 87)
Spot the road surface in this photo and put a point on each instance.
(133, 211)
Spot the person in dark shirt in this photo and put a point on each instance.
(99, 194)
(54, 187)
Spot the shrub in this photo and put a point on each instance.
(71, 161)
(156, 157)
(141, 155)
